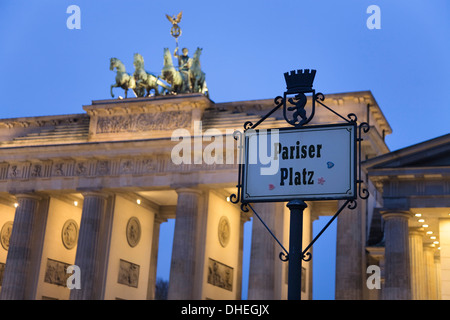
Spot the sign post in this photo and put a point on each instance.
(295, 248)
(299, 163)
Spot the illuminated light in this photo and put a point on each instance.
(138, 201)
(16, 205)
(425, 225)
(421, 220)
(429, 232)
(75, 203)
(432, 245)
(419, 214)
(228, 199)
(433, 237)
(439, 248)
(436, 242)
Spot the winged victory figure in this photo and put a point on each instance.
(175, 19)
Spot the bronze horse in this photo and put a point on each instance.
(196, 75)
(177, 79)
(123, 79)
(145, 82)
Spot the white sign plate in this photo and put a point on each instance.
(311, 163)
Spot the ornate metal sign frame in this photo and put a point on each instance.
(350, 192)
(299, 83)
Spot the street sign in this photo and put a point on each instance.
(308, 163)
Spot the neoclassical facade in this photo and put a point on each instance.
(91, 190)
(409, 230)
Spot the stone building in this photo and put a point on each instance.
(91, 190)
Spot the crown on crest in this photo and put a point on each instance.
(300, 80)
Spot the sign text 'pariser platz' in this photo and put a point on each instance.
(309, 163)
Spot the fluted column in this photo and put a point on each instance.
(263, 257)
(437, 264)
(397, 265)
(183, 265)
(242, 221)
(88, 248)
(154, 257)
(349, 253)
(417, 265)
(18, 261)
(430, 272)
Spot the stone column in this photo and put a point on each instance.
(89, 247)
(437, 263)
(397, 265)
(242, 221)
(417, 265)
(183, 265)
(444, 253)
(17, 270)
(154, 257)
(349, 254)
(261, 283)
(430, 272)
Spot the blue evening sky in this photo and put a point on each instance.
(48, 69)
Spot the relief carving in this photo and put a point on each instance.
(69, 234)
(127, 166)
(113, 167)
(224, 231)
(220, 275)
(58, 171)
(103, 167)
(144, 122)
(56, 273)
(133, 231)
(149, 165)
(5, 234)
(80, 169)
(128, 274)
(14, 172)
(36, 171)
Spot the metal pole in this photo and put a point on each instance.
(295, 248)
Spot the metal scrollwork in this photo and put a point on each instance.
(248, 125)
(362, 192)
(237, 135)
(244, 207)
(283, 256)
(306, 256)
(352, 205)
(352, 117)
(278, 101)
(319, 96)
(234, 198)
(294, 101)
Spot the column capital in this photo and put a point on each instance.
(27, 195)
(188, 190)
(416, 231)
(95, 193)
(158, 219)
(387, 214)
(429, 247)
